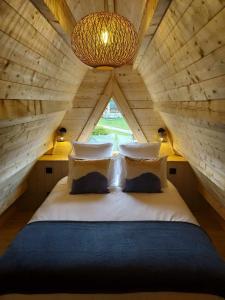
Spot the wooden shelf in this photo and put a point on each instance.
(60, 157)
(176, 158)
(53, 157)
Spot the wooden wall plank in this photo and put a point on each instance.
(14, 109)
(96, 113)
(152, 16)
(184, 71)
(17, 27)
(127, 112)
(26, 9)
(15, 51)
(15, 72)
(39, 77)
(11, 90)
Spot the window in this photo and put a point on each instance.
(112, 127)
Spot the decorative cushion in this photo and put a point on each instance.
(140, 151)
(88, 176)
(92, 151)
(145, 183)
(145, 176)
(114, 168)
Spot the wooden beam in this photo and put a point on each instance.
(152, 16)
(219, 208)
(109, 5)
(97, 112)
(127, 112)
(58, 15)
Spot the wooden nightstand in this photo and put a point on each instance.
(47, 171)
(180, 173)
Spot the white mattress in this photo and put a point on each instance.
(114, 206)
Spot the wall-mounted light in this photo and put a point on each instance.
(162, 135)
(61, 134)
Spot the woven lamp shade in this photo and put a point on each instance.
(104, 39)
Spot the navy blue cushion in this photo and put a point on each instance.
(93, 182)
(145, 183)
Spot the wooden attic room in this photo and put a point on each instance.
(112, 156)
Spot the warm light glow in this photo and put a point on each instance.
(105, 37)
(60, 139)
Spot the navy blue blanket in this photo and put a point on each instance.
(111, 257)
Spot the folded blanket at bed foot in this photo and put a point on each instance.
(111, 257)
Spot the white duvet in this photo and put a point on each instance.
(114, 206)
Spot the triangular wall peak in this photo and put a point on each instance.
(128, 90)
(112, 90)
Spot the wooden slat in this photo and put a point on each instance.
(153, 13)
(15, 51)
(110, 5)
(211, 111)
(29, 12)
(127, 112)
(16, 72)
(11, 90)
(13, 188)
(132, 10)
(39, 78)
(82, 8)
(14, 109)
(63, 15)
(183, 68)
(97, 112)
(35, 41)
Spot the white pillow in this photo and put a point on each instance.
(92, 151)
(86, 172)
(140, 151)
(136, 167)
(112, 171)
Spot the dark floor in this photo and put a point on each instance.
(213, 224)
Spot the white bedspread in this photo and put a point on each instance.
(114, 206)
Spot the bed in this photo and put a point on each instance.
(112, 246)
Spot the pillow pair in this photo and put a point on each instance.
(90, 168)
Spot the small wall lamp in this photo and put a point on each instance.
(61, 133)
(162, 135)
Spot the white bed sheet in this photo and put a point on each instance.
(114, 206)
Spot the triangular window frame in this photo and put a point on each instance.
(112, 91)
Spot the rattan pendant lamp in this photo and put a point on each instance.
(104, 40)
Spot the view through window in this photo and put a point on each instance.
(112, 127)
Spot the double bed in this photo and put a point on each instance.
(112, 246)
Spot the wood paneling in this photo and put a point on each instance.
(139, 100)
(184, 70)
(131, 95)
(84, 103)
(39, 76)
(152, 16)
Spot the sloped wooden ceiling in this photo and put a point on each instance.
(181, 61)
(39, 76)
(184, 70)
(128, 90)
